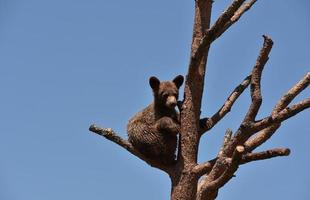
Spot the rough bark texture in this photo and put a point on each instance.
(193, 181)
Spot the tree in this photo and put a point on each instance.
(200, 181)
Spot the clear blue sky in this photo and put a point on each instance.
(65, 64)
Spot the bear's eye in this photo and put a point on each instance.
(165, 95)
(176, 95)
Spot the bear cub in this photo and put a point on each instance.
(153, 131)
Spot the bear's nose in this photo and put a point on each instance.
(171, 101)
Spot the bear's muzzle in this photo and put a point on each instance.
(171, 101)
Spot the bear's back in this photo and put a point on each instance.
(143, 135)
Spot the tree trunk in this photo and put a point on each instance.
(184, 181)
(184, 187)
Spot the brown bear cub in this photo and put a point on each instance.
(153, 131)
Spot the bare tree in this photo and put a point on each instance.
(201, 181)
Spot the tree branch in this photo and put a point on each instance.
(227, 138)
(208, 189)
(249, 157)
(229, 172)
(230, 16)
(224, 18)
(221, 162)
(286, 113)
(234, 149)
(256, 79)
(208, 123)
(210, 35)
(261, 137)
(204, 168)
(109, 134)
(245, 7)
(292, 93)
(244, 131)
(285, 100)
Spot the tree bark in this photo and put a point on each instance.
(184, 182)
(184, 186)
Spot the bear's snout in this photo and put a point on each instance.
(171, 101)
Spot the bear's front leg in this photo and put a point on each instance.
(167, 125)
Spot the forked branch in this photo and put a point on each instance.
(205, 168)
(283, 115)
(230, 16)
(245, 7)
(285, 100)
(238, 149)
(208, 187)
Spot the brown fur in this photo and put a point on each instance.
(153, 131)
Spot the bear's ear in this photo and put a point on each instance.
(178, 80)
(154, 83)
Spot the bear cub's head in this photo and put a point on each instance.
(166, 93)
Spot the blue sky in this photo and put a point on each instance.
(65, 64)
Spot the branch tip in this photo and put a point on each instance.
(92, 128)
(287, 152)
(268, 39)
(240, 149)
